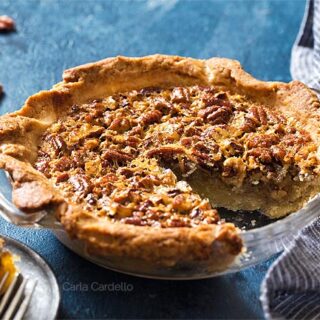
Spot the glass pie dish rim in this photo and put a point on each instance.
(260, 243)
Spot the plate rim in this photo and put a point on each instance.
(55, 302)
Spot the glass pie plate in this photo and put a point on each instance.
(262, 238)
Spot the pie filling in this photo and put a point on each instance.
(7, 266)
(153, 157)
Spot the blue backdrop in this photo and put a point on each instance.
(53, 35)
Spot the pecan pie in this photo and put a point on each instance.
(136, 154)
(7, 266)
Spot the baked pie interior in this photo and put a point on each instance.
(136, 154)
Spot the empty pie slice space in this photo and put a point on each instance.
(135, 155)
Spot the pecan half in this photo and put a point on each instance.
(216, 114)
(62, 177)
(168, 151)
(205, 154)
(149, 182)
(117, 156)
(57, 142)
(136, 131)
(259, 114)
(262, 140)
(201, 157)
(133, 220)
(203, 148)
(151, 117)
(249, 124)
(264, 155)
(7, 24)
(120, 124)
(255, 117)
(132, 141)
(291, 140)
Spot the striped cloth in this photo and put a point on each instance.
(291, 288)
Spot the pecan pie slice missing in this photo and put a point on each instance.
(135, 154)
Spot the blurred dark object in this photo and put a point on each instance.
(7, 24)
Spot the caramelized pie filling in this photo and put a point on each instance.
(113, 155)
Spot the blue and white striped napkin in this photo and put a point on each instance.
(291, 288)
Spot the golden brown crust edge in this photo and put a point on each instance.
(168, 246)
(20, 132)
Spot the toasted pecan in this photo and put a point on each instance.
(7, 24)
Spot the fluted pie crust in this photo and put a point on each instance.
(127, 151)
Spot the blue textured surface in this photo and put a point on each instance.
(54, 35)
